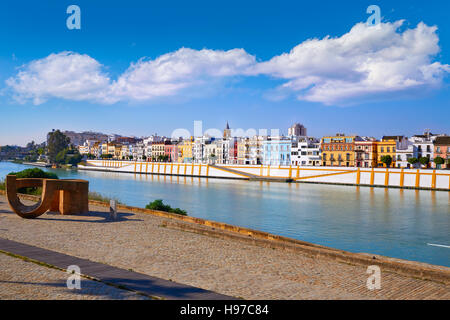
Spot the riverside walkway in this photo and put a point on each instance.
(155, 247)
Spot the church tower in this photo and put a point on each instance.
(227, 132)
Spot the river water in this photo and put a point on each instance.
(391, 222)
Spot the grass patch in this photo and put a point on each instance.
(99, 197)
(160, 206)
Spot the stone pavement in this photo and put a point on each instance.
(22, 280)
(148, 245)
(154, 287)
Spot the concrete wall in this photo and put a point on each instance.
(403, 178)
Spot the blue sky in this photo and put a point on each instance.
(232, 67)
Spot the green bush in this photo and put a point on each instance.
(68, 156)
(2, 185)
(439, 160)
(33, 173)
(387, 160)
(160, 206)
(424, 161)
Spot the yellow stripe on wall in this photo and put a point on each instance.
(402, 177)
(433, 180)
(417, 178)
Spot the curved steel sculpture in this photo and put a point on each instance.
(58, 195)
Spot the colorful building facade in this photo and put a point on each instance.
(442, 150)
(388, 147)
(339, 150)
(366, 155)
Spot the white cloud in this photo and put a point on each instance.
(65, 75)
(171, 72)
(365, 63)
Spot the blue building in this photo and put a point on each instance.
(277, 152)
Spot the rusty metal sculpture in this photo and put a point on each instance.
(59, 195)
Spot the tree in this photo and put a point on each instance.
(163, 158)
(424, 161)
(56, 142)
(413, 161)
(68, 156)
(73, 158)
(387, 160)
(439, 161)
(144, 157)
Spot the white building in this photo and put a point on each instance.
(210, 152)
(402, 156)
(297, 130)
(305, 151)
(424, 145)
(198, 149)
(86, 147)
(225, 151)
(139, 150)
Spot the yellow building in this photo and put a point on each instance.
(388, 147)
(185, 150)
(243, 151)
(113, 149)
(158, 150)
(339, 150)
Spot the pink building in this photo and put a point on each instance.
(442, 149)
(171, 150)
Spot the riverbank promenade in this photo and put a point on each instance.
(186, 254)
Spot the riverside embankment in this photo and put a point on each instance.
(400, 223)
(424, 179)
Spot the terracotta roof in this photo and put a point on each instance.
(445, 140)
